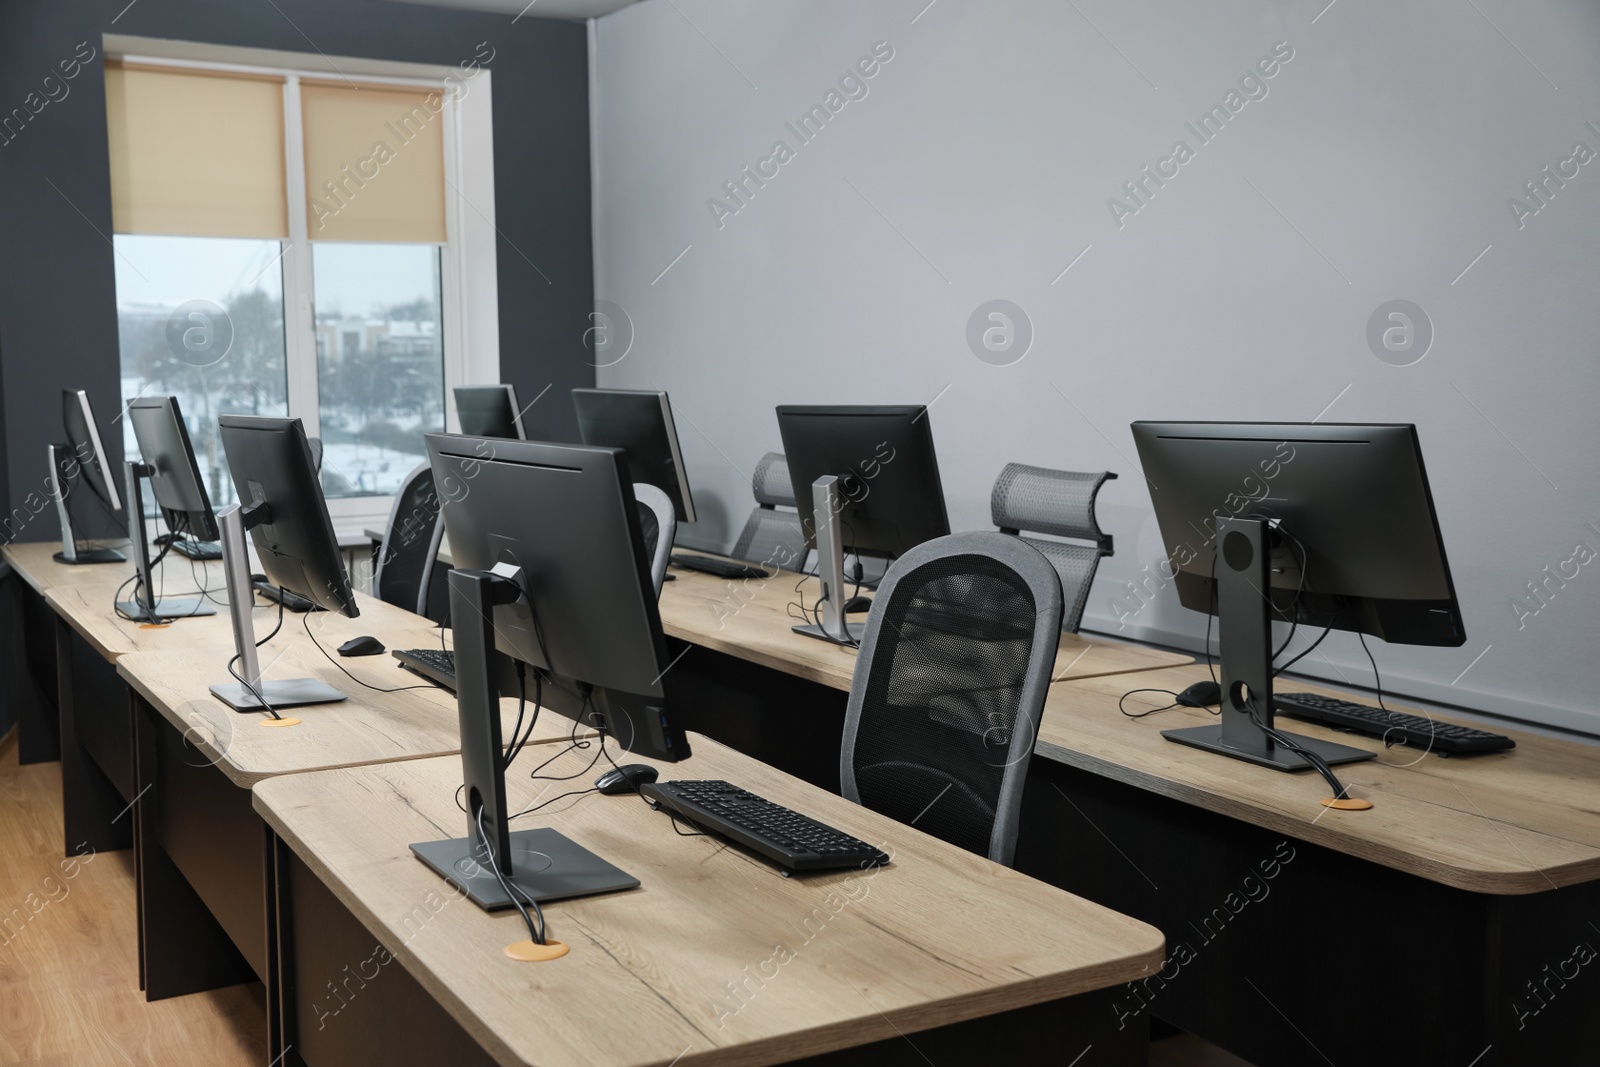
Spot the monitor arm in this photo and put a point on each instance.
(247, 695)
(827, 501)
(1244, 627)
(60, 456)
(144, 607)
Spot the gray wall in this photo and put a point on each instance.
(979, 165)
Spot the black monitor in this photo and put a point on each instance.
(282, 508)
(550, 571)
(83, 434)
(167, 460)
(175, 477)
(1320, 524)
(640, 423)
(83, 456)
(489, 411)
(884, 498)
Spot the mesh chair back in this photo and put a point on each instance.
(950, 686)
(659, 524)
(410, 544)
(1059, 503)
(771, 483)
(771, 535)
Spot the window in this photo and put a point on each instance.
(318, 274)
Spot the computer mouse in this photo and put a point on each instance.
(625, 779)
(361, 646)
(1201, 695)
(857, 603)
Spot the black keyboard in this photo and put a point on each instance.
(197, 549)
(722, 568)
(786, 837)
(434, 664)
(1392, 727)
(290, 600)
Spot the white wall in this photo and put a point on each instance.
(980, 164)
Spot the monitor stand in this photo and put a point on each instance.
(70, 552)
(278, 692)
(1244, 627)
(147, 608)
(542, 863)
(826, 503)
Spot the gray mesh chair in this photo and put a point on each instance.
(949, 688)
(659, 524)
(772, 535)
(1059, 503)
(410, 544)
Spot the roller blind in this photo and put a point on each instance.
(196, 154)
(374, 163)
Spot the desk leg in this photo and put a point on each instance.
(29, 673)
(182, 947)
(93, 809)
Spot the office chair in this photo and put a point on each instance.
(770, 535)
(410, 544)
(1060, 503)
(949, 688)
(659, 523)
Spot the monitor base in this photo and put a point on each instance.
(1278, 757)
(855, 629)
(280, 693)
(92, 555)
(545, 864)
(166, 610)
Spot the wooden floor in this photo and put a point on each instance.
(69, 966)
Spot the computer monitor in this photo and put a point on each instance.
(167, 460)
(489, 411)
(283, 509)
(640, 423)
(551, 572)
(875, 491)
(83, 456)
(1330, 525)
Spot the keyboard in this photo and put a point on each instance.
(1393, 727)
(292, 601)
(787, 838)
(434, 664)
(722, 568)
(197, 549)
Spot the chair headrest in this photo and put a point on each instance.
(770, 483)
(1041, 500)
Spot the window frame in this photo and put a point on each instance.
(468, 284)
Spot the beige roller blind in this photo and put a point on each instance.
(196, 154)
(374, 163)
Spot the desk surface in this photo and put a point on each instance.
(937, 937)
(750, 620)
(91, 611)
(1509, 823)
(33, 561)
(368, 727)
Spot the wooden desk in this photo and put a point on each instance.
(751, 620)
(728, 638)
(995, 964)
(29, 669)
(1466, 880)
(200, 850)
